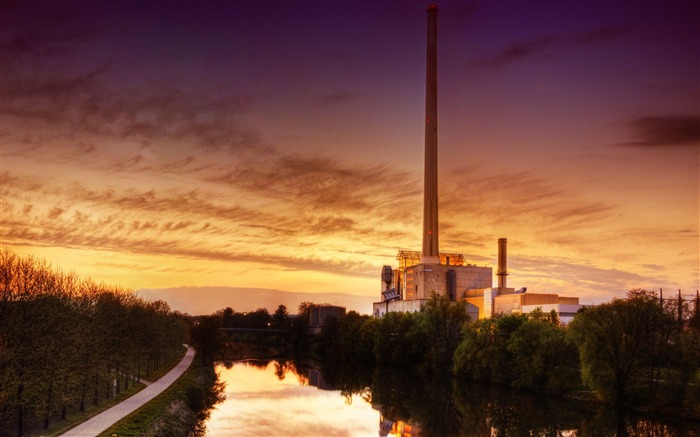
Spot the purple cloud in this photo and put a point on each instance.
(680, 130)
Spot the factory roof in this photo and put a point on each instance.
(408, 258)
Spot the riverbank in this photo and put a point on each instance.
(179, 410)
(76, 417)
(104, 420)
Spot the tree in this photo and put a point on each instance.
(207, 336)
(623, 343)
(483, 353)
(280, 318)
(227, 317)
(400, 340)
(545, 359)
(258, 319)
(444, 321)
(62, 338)
(344, 341)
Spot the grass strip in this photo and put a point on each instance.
(169, 413)
(58, 427)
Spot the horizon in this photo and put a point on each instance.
(279, 146)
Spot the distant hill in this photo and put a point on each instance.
(206, 300)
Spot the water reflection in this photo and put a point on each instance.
(290, 398)
(276, 399)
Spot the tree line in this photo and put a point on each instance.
(214, 334)
(68, 342)
(631, 352)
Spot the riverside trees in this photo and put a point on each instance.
(629, 351)
(64, 342)
(520, 351)
(631, 347)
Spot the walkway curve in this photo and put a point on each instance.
(109, 417)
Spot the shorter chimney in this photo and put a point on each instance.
(502, 262)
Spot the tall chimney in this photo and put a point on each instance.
(431, 251)
(502, 262)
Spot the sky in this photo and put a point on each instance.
(278, 145)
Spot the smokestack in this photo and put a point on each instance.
(431, 251)
(502, 262)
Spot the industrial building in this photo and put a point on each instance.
(409, 286)
(319, 315)
(420, 275)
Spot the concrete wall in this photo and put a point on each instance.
(568, 300)
(517, 302)
(475, 307)
(539, 299)
(424, 279)
(507, 304)
(403, 306)
(319, 313)
(488, 307)
(565, 312)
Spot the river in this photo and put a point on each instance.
(284, 398)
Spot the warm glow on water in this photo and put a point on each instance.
(259, 403)
(286, 399)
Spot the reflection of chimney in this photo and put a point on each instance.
(431, 252)
(502, 262)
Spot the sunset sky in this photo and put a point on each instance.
(279, 144)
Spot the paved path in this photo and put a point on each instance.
(107, 418)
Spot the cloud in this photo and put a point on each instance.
(322, 183)
(522, 50)
(82, 107)
(56, 212)
(602, 34)
(547, 46)
(92, 236)
(166, 223)
(338, 97)
(39, 32)
(332, 225)
(663, 131)
(525, 197)
(549, 273)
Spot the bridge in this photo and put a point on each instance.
(265, 338)
(254, 330)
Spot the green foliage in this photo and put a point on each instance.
(443, 321)
(520, 351)
(347, 339)
(207, 336)
(544, 358)
(179, 410)
(280, 319)
(399, 340)
(64, 341)
(426, 339)
(623, 347)
(484, 354)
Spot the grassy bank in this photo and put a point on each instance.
(59, 427)
(179, 410)
(76, 417)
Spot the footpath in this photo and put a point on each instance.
(109, 417)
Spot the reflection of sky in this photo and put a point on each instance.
(258, 403)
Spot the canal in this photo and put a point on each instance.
(287, 398)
